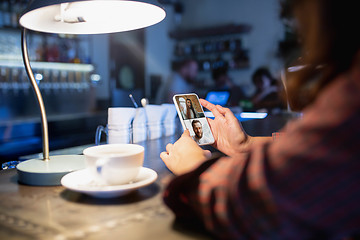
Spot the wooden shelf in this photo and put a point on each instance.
(182, 34)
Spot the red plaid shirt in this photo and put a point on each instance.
(303, 185)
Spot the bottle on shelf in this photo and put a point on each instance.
(1, 15)
(14, 13)
(6, 14)
(3, 79)
(24, 82)
(14, 80)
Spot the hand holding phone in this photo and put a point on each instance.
(192, 117)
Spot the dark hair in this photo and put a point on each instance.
(217, 72)
(261, 71)
(188, 99)
(189, 109)
(327, 30)
(195, 121)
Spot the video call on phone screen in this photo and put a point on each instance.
(194, 118)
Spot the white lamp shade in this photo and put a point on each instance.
(90, 17)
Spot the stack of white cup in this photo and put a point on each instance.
(139, 127)
(134, 125)
(118, 129)
(169, 121)
(155, 117)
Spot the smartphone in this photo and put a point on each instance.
(192, 117)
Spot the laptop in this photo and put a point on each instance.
(218, 97)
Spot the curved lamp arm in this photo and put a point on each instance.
(44, 124)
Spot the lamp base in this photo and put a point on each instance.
(38, 172)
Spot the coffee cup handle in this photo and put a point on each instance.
(99, 130)
(99, 164)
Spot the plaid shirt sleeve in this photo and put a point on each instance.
(304, 185)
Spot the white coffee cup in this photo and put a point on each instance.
(115, 164)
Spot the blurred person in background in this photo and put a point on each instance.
(223, 82)
(267, 95)
(303, 183)
(182, 80)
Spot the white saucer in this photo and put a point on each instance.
(83, 181)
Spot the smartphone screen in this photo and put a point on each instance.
(192, 117)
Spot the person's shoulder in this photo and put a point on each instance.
(342, 90)
(335, 104)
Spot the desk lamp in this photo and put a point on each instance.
(73, 17)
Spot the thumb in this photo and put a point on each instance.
(207, 154)
(186, 133)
